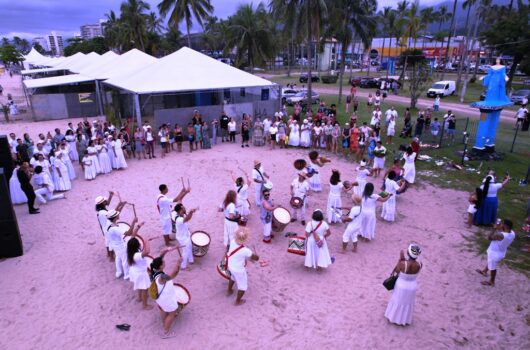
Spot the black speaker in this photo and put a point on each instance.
(10, 242)
(6, 159)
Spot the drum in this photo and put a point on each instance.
(222, 269)
(183, 295)
(296, 245)
(383, 194)
(281, 217)
(242, 221)
(347, 185)
(296, 202)
(200, 242)
(126, 239)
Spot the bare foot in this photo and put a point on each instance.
(168, 334)
(485, 274)
(229, 292)
(241, 302)
(138, 300)
(148, 307)
(488, 283)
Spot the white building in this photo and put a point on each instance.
(42, 42)
(91, 31)
(55, 44)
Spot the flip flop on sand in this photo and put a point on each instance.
(482, 272)
(168, 335)
(123, 327)
(487, 283)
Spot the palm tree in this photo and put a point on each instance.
(399, 28)
(250, 33)
(184, 10)
(112, 31)
(427, 17)
(155, 24)
(463, 57)
(384, 19)
(442, 16)
(133, 17)
(483, 12)
(451, 29)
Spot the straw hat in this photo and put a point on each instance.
(112, 214)
(100, 199)
(257, 162)
(242, 235)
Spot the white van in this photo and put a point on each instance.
(442, 88)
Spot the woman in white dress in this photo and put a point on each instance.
(401, 305)
(89, 167)
(118, 151)
(230, 217)
(15, 191)
(138, 275)
(315, 164)
(379, 158)
(409, 168)
(362, 173)
(334, 207)
(93, 156)
(72, 147)
(305, 134)
(109, 142)
(392, 187)
(317, 252)
(242, 203)
(67, 161)
(44, 163)
(63, 179)
(294, 134)
(103, 157)
(369, 204)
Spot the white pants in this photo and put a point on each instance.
(40, 193)
(267, 230)
(301, 211)
(187, 252)
(240, 277)
(350, 233)
(257, 189)
(122, 267)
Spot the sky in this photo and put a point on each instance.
(33, 18)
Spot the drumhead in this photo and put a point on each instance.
(183, 296)
(123, 225)
(282, 215)
(200, 238)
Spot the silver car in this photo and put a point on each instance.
(302, 97)
(519, 95)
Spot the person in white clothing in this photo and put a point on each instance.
(183, 234)
(392, 187)
(45, 187)
(242, 205)
(501, 238)
(236, 257)
(231, 217)
(294, 134)
(391, 130)
(260, 177)
(167, 294)
(15, 190)
(136, 258)
(65, 149)
(300, 188)
(116, 234)
(163, 204)
(117, 147)
(317, 253)
(409, 168)
(101, 212)
(369, 201)
(379, 159)
(362, 173)
(353, 230)
(334, 207)
(266, 211)
(63, 179)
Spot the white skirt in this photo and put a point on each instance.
(104, 163)
(140, 279)
(15, 191)
(368, 224)
(401, 305)
(294, 139)
(359, 189)
(471, 209)
(74, 156)
(230, 229)
(409, 172)
(305, 139)
(63, 183)
(315, 256)
(333, 215)
(120, 161)
(90, 172)
(389, 209)
(70, 168)
(243, 207)
(314, 182)
(95, 163)
(379, 163)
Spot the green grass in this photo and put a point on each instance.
(512, 199)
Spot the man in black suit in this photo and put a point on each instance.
(27, 188)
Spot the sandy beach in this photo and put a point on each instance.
(62, 293)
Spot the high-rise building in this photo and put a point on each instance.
(90, 31)
(55, 44)
(42, 42)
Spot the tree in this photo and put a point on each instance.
(10, 54)
(442, 16)
(113, 33)
(39, 48)
(451, 29)
(510, 35)
(250, 33)
(419, 73)
(134, 21)
(184, 10)
(481, 14)
(97, 45)
(469, 4)
(170, 41)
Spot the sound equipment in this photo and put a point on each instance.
(10, 242)
(6, 159)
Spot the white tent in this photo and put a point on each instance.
(124, 65)
(54, 81)
(186, 70)
(103, 61)
(34, 57)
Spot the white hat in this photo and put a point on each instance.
(414, 250)
(268, 185)
(276, 114)
(305, 121)
(100, 199)
(363, 163)
(112, 214)
(93, 138)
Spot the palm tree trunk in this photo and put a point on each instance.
(309, 63)
(383, 50)
(289, 46)
(344, 47)
(464, 53)
(449, 39)
(352, 55)
(475, 31)
(388, 59)
(189, 39)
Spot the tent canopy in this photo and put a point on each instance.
(35, 57)
(54, 81)
(127, 64)
(186, 70)
(41, 70)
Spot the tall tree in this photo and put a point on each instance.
(483, 12)
(185, 10)
(134, 18)
(467, 4)
(10, 54)
(442, 16)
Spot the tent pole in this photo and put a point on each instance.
(137, 109)
(98, 98)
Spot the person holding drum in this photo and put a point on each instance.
(369, 203)
(317, 253)
(163, 204)
(353, 230)
(391, 186)
(236, 258)
(136, 258)
(167, 293)
(102, 211)
(362, 173)
(242, 205)
(334, 207)
(260, 177)
(266, 209)
(183, 234)
(299, 193)
(116, 233)
(315, 163)
(231, 215)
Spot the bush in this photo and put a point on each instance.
(329, 79)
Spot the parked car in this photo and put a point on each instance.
(519, 95)
(355, 80)
(314, 78)
(442, 88)
(302, 97)
(484, 68)
(286, 93)
(369, 83)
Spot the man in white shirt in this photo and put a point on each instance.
(116, 234)
(236, 258)
(266, 128)
(521, 115)
(150, 140)
(500, 238)
(260, 177)
(390, 113)
(13, 143)
(101, 212)
(45, 186)
(163, 204)
(300, 189)
(376, 117)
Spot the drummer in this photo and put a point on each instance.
(115, 235)
(228, 207)
(300, 189)
(266, 209)
(353, 230)
(167, 298)
(242, 206)
(236, 258)
(101, 210)
(183, 234)
(163, 204)
(260, 177)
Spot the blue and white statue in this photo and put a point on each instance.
(491, 107)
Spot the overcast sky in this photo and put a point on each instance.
(32, 18)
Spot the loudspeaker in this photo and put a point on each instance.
(6, 159)
(10, 242)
